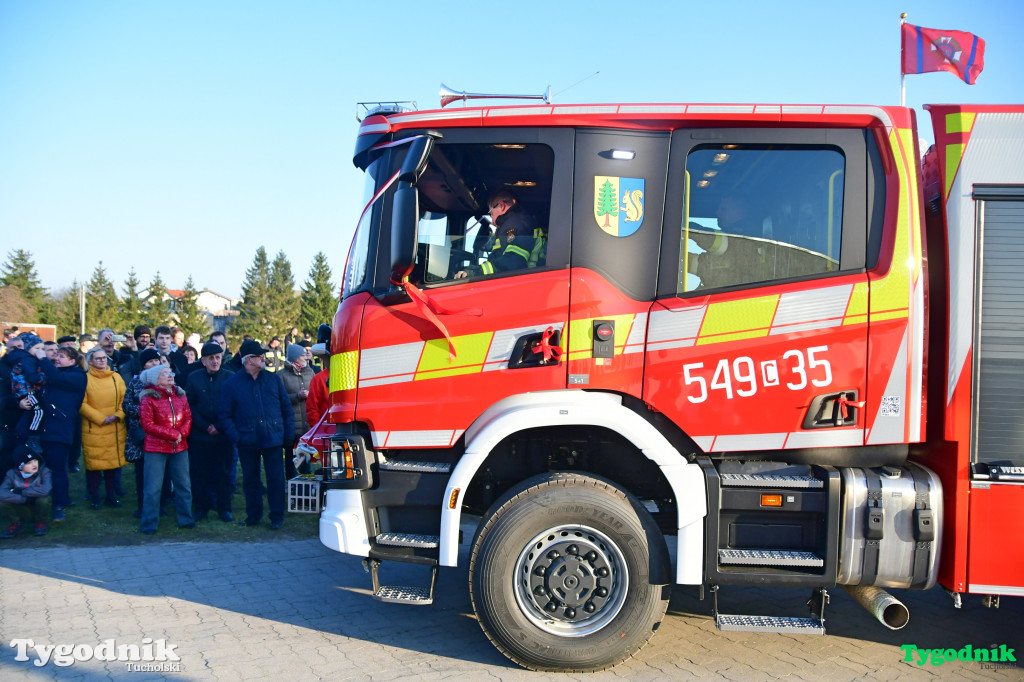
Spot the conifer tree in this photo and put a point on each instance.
(65, 305)
(19, 270)
(132, 308)
(319, 300)
(157, 309)
(284, 305)
(101, 305)
(253, 310)
(190, 318)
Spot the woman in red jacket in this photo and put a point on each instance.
(167, 421)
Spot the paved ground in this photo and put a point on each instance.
(295, 610)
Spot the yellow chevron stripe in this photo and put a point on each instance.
(891, 294)
(857, 308)
(472, 351)
(581, 335)
(735, 320)
(344, 371)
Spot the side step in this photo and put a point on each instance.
(408, 540)
(815, 625)
(401, 594)
(769, 481)
(768, 557)
(782, 624)
(414, 466)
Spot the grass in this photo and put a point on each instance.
(108, 526)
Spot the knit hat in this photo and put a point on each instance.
(141, 330)
(149, 376)
(28, 339)
(23, 455)
(211, 348)
(147, 355)
(295, 351)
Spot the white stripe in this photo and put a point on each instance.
(408, 439)
(375, 128)
(814, 309)
(801, 109)
(638, 331)
(846, 110)
(385, 361)
(669, 345)
(536, 110)
(434, 116)
(587, 109)
(653, 109)
(835, 438)
(676, 325)
(774, 109)
(890, 429)
(720, 109)
(704, 442)
(383, 381)
(996, 589)
(379, 438)
(750, 441)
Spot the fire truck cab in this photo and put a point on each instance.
(768, 336)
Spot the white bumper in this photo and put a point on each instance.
(343, 524)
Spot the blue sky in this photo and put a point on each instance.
(180, 136)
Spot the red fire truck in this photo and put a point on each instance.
(759, 344)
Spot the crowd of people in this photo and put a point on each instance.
(182, 412)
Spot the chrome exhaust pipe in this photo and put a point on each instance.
(889, 610)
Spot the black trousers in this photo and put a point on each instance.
(210, 468)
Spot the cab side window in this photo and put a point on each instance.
(484, 211)
(760, 213)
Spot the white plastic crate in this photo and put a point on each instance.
(304, 495)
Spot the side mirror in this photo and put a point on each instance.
(405, 221)
(416, 158)
(405, 211)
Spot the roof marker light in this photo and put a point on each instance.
(623, 154)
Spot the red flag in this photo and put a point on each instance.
(932, 49)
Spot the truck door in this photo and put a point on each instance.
(759, 337)
(619, 199)
(489, 299)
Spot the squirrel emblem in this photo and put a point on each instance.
(633, 204)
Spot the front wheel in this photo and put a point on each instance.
(560, 574)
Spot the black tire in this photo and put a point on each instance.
(560, 574)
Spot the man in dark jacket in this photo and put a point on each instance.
(210, 453)
(65, 389)
(256, 415)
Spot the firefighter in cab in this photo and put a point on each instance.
(514, 238)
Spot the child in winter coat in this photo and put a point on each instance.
(25, 491)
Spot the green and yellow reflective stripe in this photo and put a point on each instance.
(581, 335)
(435, 362)
(857, 307)
(488, 268)
(736, 320)
(344, 371)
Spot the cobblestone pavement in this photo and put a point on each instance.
(296, 610)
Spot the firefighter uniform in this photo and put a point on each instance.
(516, 243)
